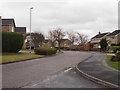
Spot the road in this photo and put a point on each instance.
(64, 79)
(20, 74)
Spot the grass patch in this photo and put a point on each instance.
(13, 57)
(27, 50)
(115, 65)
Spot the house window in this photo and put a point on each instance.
(113, 37)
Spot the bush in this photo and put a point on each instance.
(114, 48)
(115, 58)
(66, 48)
(12, 42)
(72, 49)
(115, 44)
(103, 44)
(45, 51)
(59, 47)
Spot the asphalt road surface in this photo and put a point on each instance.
(21, 74)
(64, 79)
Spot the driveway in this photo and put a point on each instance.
(20, 74)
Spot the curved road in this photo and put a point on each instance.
(20, 74)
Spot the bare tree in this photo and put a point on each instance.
(37, 38)
(81, 38)
(58, 35)
(51, 38)
(72, 37)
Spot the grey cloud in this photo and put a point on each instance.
(86, 16)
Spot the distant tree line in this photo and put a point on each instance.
(58, 34)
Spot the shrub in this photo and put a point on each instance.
(45, 51)
(59, 47)
(12, 42)
(103, 44)
(114, 48)
(72, 49)
(66, 48)
(115, 44)
(115, 58)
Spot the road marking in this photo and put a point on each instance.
(68, 70)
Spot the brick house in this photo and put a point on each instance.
(114, 37)
(8, 25)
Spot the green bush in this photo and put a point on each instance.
(12, 42)
(72, 48)
(114, 49)
(59, 47)
(45, 51)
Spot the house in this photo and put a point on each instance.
(8, 25)
(46, 43)
(64, 43)
(96, 39)
(20, 30)
(113, 38)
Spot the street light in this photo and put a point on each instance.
(30, 29)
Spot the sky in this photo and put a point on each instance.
(84, 16)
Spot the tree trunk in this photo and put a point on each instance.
(59, 46)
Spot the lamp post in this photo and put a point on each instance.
(30, 29)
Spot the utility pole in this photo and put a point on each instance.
(30, 28)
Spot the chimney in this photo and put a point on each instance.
(99, 32)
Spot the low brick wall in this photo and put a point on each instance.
(85, 47)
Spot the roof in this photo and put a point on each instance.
(114, 33)
(46, 41)
(100, 35)
(7, 22)
(63, 40)
(20, 29)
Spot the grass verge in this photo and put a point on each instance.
(13, 57)
(59, 52)
(115, 65)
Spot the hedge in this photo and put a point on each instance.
(45, 51)
(11, 41)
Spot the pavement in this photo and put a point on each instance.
(96, 66)
(20, 74)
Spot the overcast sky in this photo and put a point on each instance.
(84, 16)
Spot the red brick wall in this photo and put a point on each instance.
(85, 47)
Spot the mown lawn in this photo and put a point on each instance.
(115, 65)
(13, 57)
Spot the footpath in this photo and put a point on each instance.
(96, 69)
